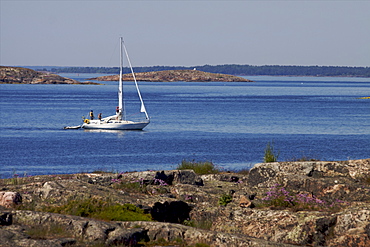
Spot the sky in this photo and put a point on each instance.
(185, 33)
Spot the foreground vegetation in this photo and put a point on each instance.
(147, 208)
(200, 168)
(101, 210)
(281, 198)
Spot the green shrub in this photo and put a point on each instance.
(225, 199)
(99, 209)
(270, 153)
(199, 168)
(151, 186)
(130, 186)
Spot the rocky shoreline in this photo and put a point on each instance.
(18, 75)
(311, 203)
(175, 75)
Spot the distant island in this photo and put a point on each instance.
(175, 75)
(18, 75)
(230, 69)
(21, 75)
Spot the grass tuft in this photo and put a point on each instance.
(200, 168)
(151, 186)
(102, 210)
(225, 199)
(270, 154)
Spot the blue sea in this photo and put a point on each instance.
(229, 124)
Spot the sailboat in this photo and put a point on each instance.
(119, 121)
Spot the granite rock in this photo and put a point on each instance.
(193, 200)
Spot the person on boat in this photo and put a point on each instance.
(99, 116)
(117, 109)
(91, 115)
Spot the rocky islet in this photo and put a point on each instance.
(18, 75)
(175, 75)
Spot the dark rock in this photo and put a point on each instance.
(171, 177)
(166, 178)
(173, 212)
(6, 218)
(260, 175)
(187, 177)
(252, 196)
(316, 174)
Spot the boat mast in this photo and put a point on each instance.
(120, 92)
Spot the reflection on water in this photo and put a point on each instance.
(119, 133)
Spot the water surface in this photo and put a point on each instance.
(227, 123)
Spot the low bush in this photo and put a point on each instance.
(150, 186)
(200, 168)
(129, 186)
(225, 199)
(279, 197)
(102, 210)
(270, 154)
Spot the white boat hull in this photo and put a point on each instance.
(115, 125)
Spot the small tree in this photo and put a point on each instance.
(270, 154)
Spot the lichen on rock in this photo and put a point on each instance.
(193, 201)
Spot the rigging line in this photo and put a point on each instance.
(133, 114)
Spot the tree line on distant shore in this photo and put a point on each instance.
(235, 69)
